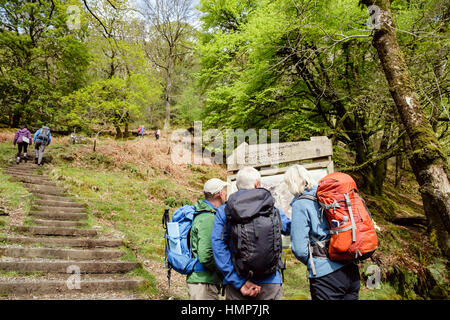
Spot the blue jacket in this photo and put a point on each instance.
(222, 253)
(36, 135)
(307, 222)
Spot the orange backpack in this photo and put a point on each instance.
(353, 235)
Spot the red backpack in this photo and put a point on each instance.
(353, 234)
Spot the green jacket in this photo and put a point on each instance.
(201, 244)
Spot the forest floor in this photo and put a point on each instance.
(127, 185)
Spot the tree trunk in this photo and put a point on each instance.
(168, 94)
(427, 161)
(126, 132)
(118, 132)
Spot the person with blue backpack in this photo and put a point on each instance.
(188, 242)
(41, 139)
(246, 241)
(205, 285)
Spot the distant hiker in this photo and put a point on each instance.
(22, 139)
(141, 131)
(42, 138)
(246, 241)
(205, 285)
(310, 235)
(157, 134)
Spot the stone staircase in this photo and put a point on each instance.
(39, 260)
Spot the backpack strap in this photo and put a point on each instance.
(313, 268)
(307, 196)
(321, 205)
(352, 219)
(165, 220)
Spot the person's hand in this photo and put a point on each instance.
(250, 289)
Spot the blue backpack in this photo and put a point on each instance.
(44, 134)
(178, 252)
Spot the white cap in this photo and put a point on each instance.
(214, 185)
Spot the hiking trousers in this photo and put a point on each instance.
(39, 148)
(342, 284)
(21, 146)
(202, 291)
(269, 291)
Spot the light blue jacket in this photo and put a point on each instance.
(307, 224)
(222, 250)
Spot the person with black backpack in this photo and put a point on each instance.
(246, 241)
(41, 139)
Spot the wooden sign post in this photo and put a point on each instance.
(274, 159)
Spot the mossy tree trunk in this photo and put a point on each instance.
(427, 161)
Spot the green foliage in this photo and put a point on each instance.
(110, 102)
(41, 60)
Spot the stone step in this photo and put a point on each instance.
(60, 204)
(56, 231)
(44, 196)
(61, 266)
(44, 188)
(57, 209)
(60, 253)
(24, 286)
(30, 155)
(59, 223)
(22, 168)
(25, 173)
(35, 181)
(64, 241)
(29, 164)
(26, 165)
(21, 178)
(28, 178)
(36, 190)
(63, 216)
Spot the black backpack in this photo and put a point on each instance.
(255, 233)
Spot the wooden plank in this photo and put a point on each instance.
(325, 164)
(262, 155)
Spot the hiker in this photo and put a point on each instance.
(157, 134)
(206, 285)
(310, 234)
(141, 131)
(249, 221)
(42, 138)
(22, 139)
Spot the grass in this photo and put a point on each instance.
(296, 285)
(13, 196)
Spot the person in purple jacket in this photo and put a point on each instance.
(22, 139)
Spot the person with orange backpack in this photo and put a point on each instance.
(331, 232)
